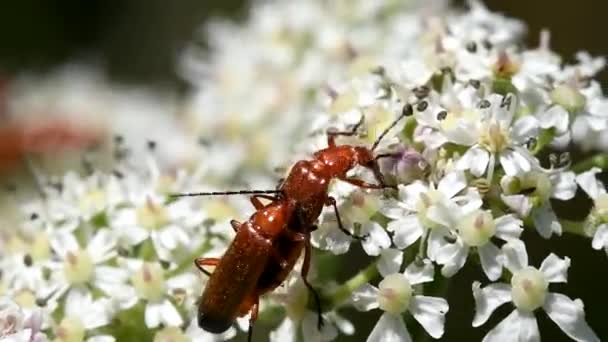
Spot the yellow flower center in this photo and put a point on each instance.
(477, 228)
(568, 97)
(601, 207)
(493, 137)
(93, 201)
(78, 267)
(70, 329)
(25, 298)
(362, 207)
(40, 248)
(395, 293)
(529, 289)
(152, 216)
(149, 282)
(425, 201)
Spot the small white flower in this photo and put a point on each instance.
(149, 284)
(80, 267)
(16, 325)
(596, 224)
(395, 295)
(428, 210)
(82, 314)
(299, 318)
(529, 291)
(541, 185)
(476, 230)
(497, 134)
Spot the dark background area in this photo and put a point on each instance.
(138, 42)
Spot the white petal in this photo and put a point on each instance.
(518, 203)
(430, 313)
(452, 183)
(590, 184)
(452, 256)
(488, 299)
(390, 328)
(390, 261)
(417, 274)
(556, 117)
(564, 185)
(569, 315)
(153, 314)
(410, 194)
(445, 213)
(287, 331)
(101, 338)
(393, 209)
(546, 221)
(600, 238)
(327, 237)
(555, 268)
(515, 254)
(96, 314)
(377, 238)
(520, 327)
(365, 298)
(436, 241)
(109, 274)
(491, 260)
(513, 162)
(508, 227)
(132, 235)
(309, 326)
(523, 128)
(476, 159)
(407, 231)
(169, 314)
(101, 247)
(64, 242)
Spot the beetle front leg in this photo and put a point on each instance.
(332, 201)
(331, 135)
(201, 262)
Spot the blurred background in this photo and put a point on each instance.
(138, 42)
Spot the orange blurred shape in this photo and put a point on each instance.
(44, 136)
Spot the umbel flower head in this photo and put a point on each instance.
(106, 254)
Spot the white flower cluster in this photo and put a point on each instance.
(107, 256)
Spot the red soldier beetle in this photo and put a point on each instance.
(268, 246)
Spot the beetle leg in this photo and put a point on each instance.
(200, 262)
(331, 135)
(361, 183)
(236, 225)
(332, 201)
(304, 273)
(257, 204)
(295, 236)
(280, 183)
(252, 318)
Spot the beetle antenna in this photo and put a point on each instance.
(407, 111)
(222, 193)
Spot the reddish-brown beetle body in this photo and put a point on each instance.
(267, 247)
(232, 287)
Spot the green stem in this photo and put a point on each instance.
(343, 292)
(544, 138)
(600, 160)
(573, 227)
